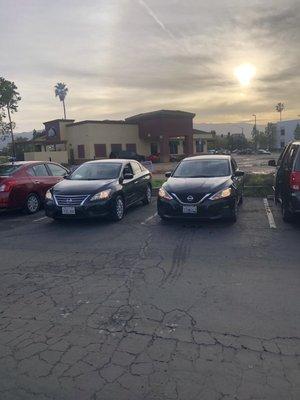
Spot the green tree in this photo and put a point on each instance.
(270, 132)
(9, 99)
(297, 132)
(255, 136)
(61, 91)
(279, 108)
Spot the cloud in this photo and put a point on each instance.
(121, 57)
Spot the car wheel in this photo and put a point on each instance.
(234, 212)
(32, 204)
(118, 209)
(148, 194)
(287, 215)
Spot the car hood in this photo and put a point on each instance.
(197, 185)
(68, 186)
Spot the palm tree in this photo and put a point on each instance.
(61, 91)
(279, 108)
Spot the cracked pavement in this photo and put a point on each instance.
(97, 310)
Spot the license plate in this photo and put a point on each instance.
(68, 210)
(189, 209)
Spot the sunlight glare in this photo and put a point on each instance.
(244, 73)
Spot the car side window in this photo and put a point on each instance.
(127, 169)
(297, 162)
(234, 165)
(136, 168)
(38, 170)
(292, 156)
(56, 170)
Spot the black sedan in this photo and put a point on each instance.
(100, 188)
(209, 186)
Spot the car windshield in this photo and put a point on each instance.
(96, 171)
(8, 170)
(202, 168)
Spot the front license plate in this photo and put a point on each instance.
(189, 209)
(68, 210)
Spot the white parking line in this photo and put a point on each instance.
(148, 219)
(269, 214)
(40, 219)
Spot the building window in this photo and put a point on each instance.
(100, 150)
(81, 152)
(282, 144)
(131, 147)
(282, 132)
(116, 148)
(154, 148)
(199, 146)
(173, 145)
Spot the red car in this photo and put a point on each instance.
(23, 184)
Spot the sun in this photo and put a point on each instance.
(245, 73)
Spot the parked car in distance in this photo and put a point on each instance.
(287, 181)
(129, 155)
(100, 188)
(23, 184)
(262, 151)
(208, 186)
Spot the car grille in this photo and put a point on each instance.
(183, 197)
(70, 200)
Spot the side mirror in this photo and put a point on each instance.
(168, 174)
(272, 163)
(128, 176)
(239, 173)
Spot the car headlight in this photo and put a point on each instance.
(164, 194)
(104, 195)
(222, 194)
(48, 195)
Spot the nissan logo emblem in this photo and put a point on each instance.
(69, 201)
(190, 198)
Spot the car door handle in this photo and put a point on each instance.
(37, 182)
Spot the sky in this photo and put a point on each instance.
(122, 57)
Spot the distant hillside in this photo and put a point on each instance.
(232, 128)
(4, 142)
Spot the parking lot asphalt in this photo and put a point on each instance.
(144, 309)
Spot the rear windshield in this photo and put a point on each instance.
(96, 171)
(202, 169)
(7, 170)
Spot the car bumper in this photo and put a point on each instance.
(209, 209)
(89, 210)
(4, 200)
(295, 202)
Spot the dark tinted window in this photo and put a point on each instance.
(7, 170)
(291, 156)
(96, 171)
(56, 170)
(127, 169)
(297, 160)
(202, 168)
(38, 170)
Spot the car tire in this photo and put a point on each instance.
(118, 209)
(148, 195)
(287, 215)
(233, 217)
(32, 204)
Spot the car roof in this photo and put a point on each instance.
(208, 157)
(26, 162)
(111, 160)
